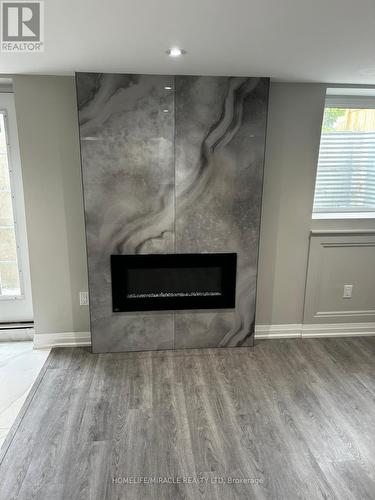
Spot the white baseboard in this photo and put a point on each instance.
(289, 331)
(286, 331)
(64, 339)
(314, 330)
(338, 330)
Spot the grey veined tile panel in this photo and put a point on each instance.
(171, 171)
(127, 158)
(219, 140)
(128, 171)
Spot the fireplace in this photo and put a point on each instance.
(173, 281)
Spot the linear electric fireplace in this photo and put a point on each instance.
(173, 281)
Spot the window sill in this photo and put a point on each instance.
(344, 215)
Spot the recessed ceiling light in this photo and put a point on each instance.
(165, 110)
(167, 87)
(175, 52)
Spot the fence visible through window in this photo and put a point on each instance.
(345, 180)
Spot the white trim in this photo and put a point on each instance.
(344, 314)
(338, 330)
(64, 339)
(362, 91)
(343, 215)
(286, 331)
(289, 331)
(342, 232)
(20, 309)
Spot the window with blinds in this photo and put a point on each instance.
(345, 181)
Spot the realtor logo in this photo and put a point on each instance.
(22, 26)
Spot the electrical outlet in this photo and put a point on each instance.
(83, 298)
(348, 292)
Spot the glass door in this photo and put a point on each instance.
(15, 289)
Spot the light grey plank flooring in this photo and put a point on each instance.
(289, 419)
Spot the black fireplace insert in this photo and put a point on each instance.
(173, 281)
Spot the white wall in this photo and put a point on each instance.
(48, 134)
(292, 148)
(49, 146)
(337, 259)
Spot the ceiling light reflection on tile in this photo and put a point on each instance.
(175, 52)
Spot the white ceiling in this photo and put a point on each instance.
(300, 40)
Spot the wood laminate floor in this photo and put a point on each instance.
(289, 419)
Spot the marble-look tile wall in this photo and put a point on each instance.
(169, 171)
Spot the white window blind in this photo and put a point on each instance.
(346, 172)
(345, 179)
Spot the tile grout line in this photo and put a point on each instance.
(174, 193)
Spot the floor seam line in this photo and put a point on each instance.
(24, 411)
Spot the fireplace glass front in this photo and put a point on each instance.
(174, 281)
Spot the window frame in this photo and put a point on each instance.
(345, 101)
(13, 191)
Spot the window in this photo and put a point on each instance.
(345, 181)
(10, 285)
(15, 284)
